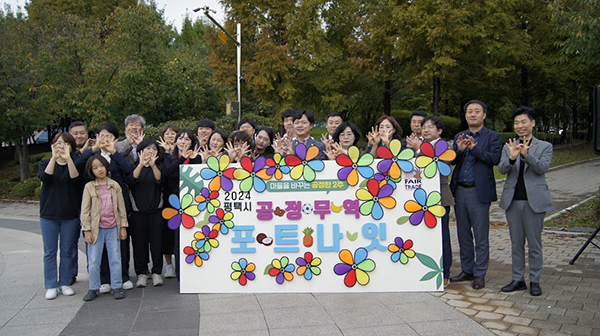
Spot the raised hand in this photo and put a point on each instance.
(413, 142)
(514, 148)
(461, 142)
(525, 145)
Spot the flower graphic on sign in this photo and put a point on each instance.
(208, 200)
(277, 167)
(206, 239)
(433, 158)
(401, 250)
(354, 267)
(425, 206)
(394, 161)
(308, 265)
(282, 270)
(354, 164)
(385, 177)
(217, 172)
(242, 271)
(304, 163)
(222, 221)
(182, 213)
(377, 196)
(252, 176)
(194, 254)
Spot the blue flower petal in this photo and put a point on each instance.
(420, 196)
(360, 255)
(444, 168)
(208, 173)
(316, 165)
(366, 172)
(308, 274)
(377, 211)
(395, 256)
(243, 263)
(290, 268)
(174, 201)
(406, 166)
(259, 184)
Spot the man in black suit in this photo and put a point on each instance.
(478, 150)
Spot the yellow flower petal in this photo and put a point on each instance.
(363, 195)
(362, 277)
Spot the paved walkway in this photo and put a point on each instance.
(570, 304)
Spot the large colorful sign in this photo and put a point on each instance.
(297, 224)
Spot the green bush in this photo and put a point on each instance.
(25, 188)
(7, 184)
(596, 205)
(37, 191)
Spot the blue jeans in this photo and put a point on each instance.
(110, 237)
(53, 232)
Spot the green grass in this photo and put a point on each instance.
(563, 156)
(585, 215)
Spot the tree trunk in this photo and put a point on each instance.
(437, 95)
(575, 109)
(23, 154)
(387, 97)
(524, 86)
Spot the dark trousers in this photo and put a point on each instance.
(146, 235)
(446, 244)
(472, 224)
(104, 267)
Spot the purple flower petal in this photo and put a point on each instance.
(226, 183)
(385, 191)
(260, 163)
(205, 230)
(342, 268)
(384, 166)
(271, 171)
(440, 147)
(174, 222)
(205, 192)
(300, 261)
(344, 172)
(213, 219)
(301, 151)
(190, 258)
(417, 217)
(250, 275)
(279, 278)
(399, 242)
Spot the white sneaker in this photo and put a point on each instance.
(157, 280)
(170, 271)
(51, 293)
(66, 290)
(104, 288)
(141, 281)
(127, 285)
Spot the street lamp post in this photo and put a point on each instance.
(238, 43)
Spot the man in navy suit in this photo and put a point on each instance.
(303, 124)
(478, 150)
(526, 198)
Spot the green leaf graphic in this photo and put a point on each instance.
(438, 280)
(428, 262)
(402, 220)
(429, 276)
(363, 184)
(351, 236)
(268, 268)
(204, 221)
(189, 180)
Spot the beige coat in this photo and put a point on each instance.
(91, 205)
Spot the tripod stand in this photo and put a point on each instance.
(589, 241)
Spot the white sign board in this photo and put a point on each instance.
(296, 224)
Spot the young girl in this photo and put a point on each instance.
(146, 222)
(104, 222)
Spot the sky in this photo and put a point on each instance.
(175, 10)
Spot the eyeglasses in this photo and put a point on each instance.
(347, 135)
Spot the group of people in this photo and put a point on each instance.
(114, 190)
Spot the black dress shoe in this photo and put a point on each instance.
(478, 283)
(514, 286)
(535, 289)
(463, 276)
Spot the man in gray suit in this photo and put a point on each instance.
(525, 198)
(134, 134)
